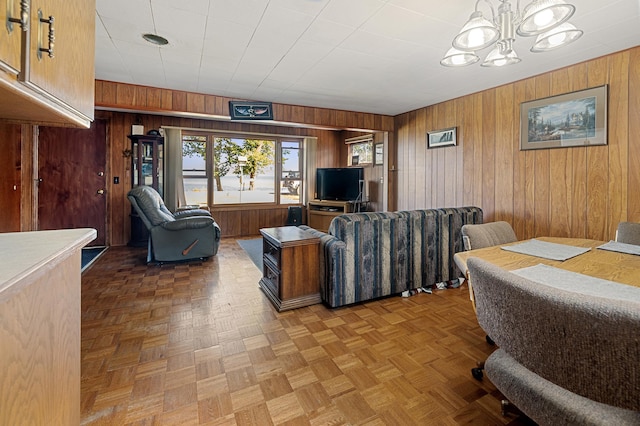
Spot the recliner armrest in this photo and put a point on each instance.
(193, 222)
(190, 213)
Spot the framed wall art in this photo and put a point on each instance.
(573, 119)
(250, 110)
(440, 138)
(378, 153)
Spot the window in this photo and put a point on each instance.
(361, 153)
(291, 175)
(234, 169)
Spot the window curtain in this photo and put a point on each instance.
(310, 154)
(173, 186)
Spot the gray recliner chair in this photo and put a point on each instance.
(184, 235)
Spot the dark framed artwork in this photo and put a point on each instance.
(572, 119)
(378, 153)
(441, 138)
(250, 110)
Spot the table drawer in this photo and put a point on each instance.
(271, 252)
(271, 276)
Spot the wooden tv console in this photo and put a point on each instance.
(321, 212)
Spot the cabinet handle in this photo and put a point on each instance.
(23, 20)
(52, 35)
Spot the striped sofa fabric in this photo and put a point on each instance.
(370, 255)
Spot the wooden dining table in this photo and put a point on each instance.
(608, 265)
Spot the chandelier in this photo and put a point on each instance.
(546, 19)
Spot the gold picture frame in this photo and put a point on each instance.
(572, 119)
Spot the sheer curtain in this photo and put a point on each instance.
(173, 187)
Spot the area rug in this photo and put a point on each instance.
(253, 248)
(90, 255)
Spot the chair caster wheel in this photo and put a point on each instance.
(490, 340)
(477, 373)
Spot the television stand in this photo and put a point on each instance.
(321, 212)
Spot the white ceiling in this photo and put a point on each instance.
(378, 56)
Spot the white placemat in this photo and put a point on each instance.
(579, 283)
(546, 250)
(621, 247)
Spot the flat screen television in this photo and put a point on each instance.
(339, 184)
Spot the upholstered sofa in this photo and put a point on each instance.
(564, 357)
(370, 255)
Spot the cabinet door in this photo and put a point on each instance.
(67, 73)
(10, 35)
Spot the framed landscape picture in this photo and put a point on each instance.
(573, 119)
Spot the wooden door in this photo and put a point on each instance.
(10, 187)
(72, 179)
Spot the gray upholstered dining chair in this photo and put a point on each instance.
(628, 233)
(489, 234)
(477, 236)
(564, 357)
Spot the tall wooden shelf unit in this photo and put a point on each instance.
(147, 168)
(321, 212)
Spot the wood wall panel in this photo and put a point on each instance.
(577, 192)
(10, 185)
(123, 96)
(541, 158)
(420, 152)
(504, 153)
(560, 166)
(618, 139)
(519, 162)
(597, 163)
(633, 208)
(488, 180)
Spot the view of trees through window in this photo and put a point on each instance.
(240, 170)
(363, 151)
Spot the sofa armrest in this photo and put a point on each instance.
(332, 258)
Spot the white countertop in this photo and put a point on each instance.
(23, 253)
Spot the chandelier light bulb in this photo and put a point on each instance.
(476, 37)
(543, 18)
(557, 39)
(458, 58)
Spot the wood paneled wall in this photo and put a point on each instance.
(10, 178)
(578, 192)
(233, 222)
(113, 95)
(148, 105)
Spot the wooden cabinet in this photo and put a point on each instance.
(290, 267)
(321, 212)
(51, 80)
(147, 161)
(10, 36)
(147, 168)
(40, 326)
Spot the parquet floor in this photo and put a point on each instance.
(199, 344)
